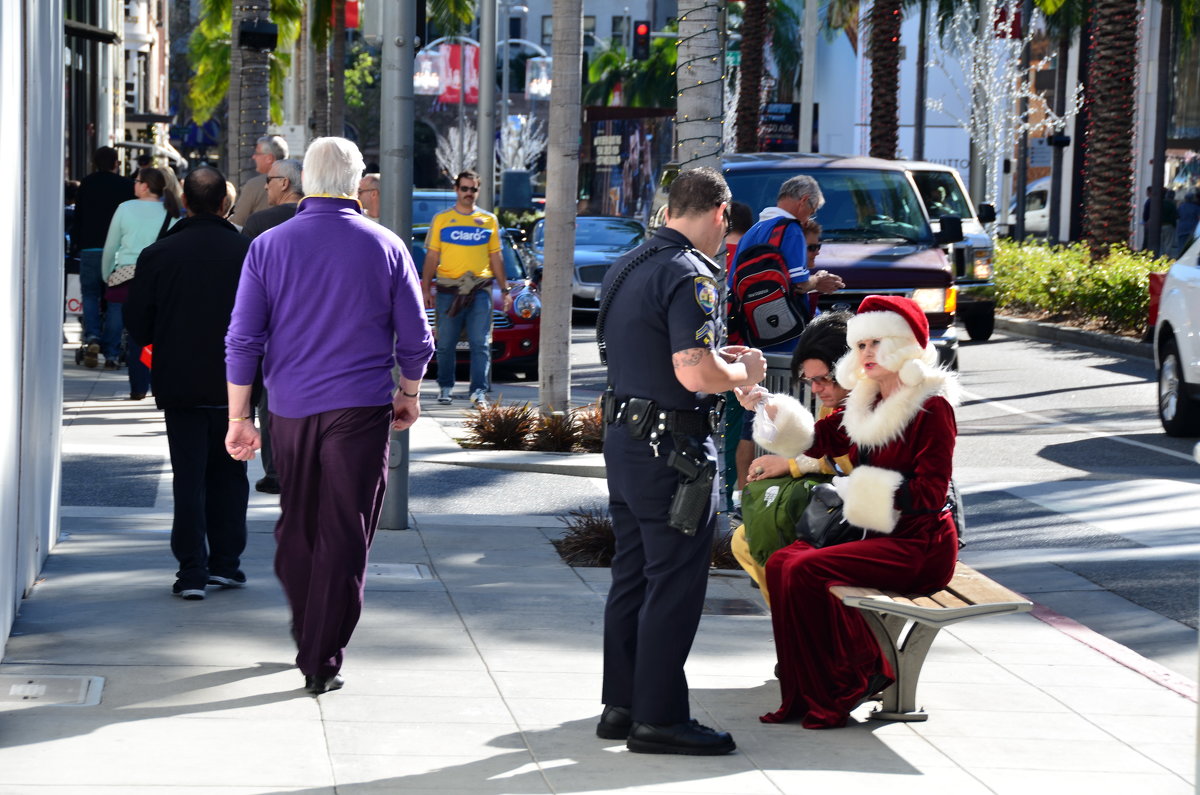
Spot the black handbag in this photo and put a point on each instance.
(823, 524)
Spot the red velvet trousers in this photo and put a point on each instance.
(826, 651)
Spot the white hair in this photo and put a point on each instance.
(332, 166)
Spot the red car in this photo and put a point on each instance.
(514, 333)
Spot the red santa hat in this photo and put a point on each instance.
(903, 331)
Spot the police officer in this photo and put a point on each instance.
(659, 332)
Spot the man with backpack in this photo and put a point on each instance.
(769, 278)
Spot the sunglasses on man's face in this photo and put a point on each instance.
(468, 189)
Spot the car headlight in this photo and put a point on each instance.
(527, 306)
(982, 268)
(930, 299)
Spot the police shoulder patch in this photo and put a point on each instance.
(706, 293)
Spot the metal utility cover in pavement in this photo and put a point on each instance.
(51, 690)
(398, 571)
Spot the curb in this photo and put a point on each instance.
(1051, 332)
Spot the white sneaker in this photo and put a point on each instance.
(479, 398)
(444, 395)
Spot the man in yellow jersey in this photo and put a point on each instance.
(463, 247)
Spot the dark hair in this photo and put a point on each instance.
(696, 191)
(741, 217)
(145, 160)
(70, 191)
(811, 227)
(204, 188)
(156, 181)
(825, 339)
(105, 158)
(468, 174)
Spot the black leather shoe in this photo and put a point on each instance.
(267, 485)
(316, 685)
(678, 738)
(614, 723)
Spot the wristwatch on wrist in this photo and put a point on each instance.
(505, 290)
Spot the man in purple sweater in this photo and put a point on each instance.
(330, 302)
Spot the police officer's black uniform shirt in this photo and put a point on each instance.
(666, 305)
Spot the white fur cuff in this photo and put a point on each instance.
(793, 426)
(868, 495)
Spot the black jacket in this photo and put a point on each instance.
(180, 303)
(100, 193)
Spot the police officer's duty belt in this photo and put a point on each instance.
(646, 420)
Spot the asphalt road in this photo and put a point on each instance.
(1076, 497)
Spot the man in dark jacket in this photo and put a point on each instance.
(180, 303)
(99, 195)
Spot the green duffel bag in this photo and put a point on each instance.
(770, 510)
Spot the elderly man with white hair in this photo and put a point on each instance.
(329, 302)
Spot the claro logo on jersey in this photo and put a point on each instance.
(465, 236)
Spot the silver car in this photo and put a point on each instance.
(1177, 346)
(599, 240)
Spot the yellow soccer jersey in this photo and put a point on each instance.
(464, 242)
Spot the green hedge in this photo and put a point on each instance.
(1065, 282)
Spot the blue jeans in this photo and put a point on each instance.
(91, 287)
(139, 374)
(477, 317)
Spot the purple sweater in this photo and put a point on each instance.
(330, 301)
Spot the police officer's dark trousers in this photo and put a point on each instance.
(659, 576)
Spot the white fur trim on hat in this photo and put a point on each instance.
(877, 326)
(868, 495)
(793, 427)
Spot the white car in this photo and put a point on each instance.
(1177, 346)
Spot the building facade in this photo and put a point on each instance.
(32, 64)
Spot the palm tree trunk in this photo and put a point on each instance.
(922, 76)
(698, 111)
(233, 164)
(562, 195)
(337, 71)
(320, 56)
(754, 29)
(254, 96)
(1107, 165)
(885, 77)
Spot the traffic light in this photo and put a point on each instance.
(641, 40)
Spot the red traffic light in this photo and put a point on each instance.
(641, 40)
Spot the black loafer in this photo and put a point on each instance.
(614, 723)
(688, 738)
(316, 685)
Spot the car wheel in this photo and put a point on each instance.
(1180, 413)
(979, 319)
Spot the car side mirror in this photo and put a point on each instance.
(987, 213)
(950, 232)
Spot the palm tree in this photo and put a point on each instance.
(644, 84)
(755, 18)
(212, 59)
(886, 16)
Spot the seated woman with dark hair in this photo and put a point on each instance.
(898, 429)
(817, 352)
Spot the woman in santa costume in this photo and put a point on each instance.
(898, 429)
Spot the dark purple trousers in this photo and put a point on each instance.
(332, 473)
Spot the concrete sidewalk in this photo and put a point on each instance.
(476, 668)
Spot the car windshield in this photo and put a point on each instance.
(859, 204)
(512, 261)
(608, 232)
(942, 194)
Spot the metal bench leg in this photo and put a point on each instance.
(907, 659)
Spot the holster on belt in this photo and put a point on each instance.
(463, 289)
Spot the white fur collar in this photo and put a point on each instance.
(871, 424)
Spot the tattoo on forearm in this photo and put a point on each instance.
(689, 358)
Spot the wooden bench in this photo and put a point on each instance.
(905, 626)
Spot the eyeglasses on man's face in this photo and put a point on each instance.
(468, 189)
(814, 249)
(819, 380)
(271, 178)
